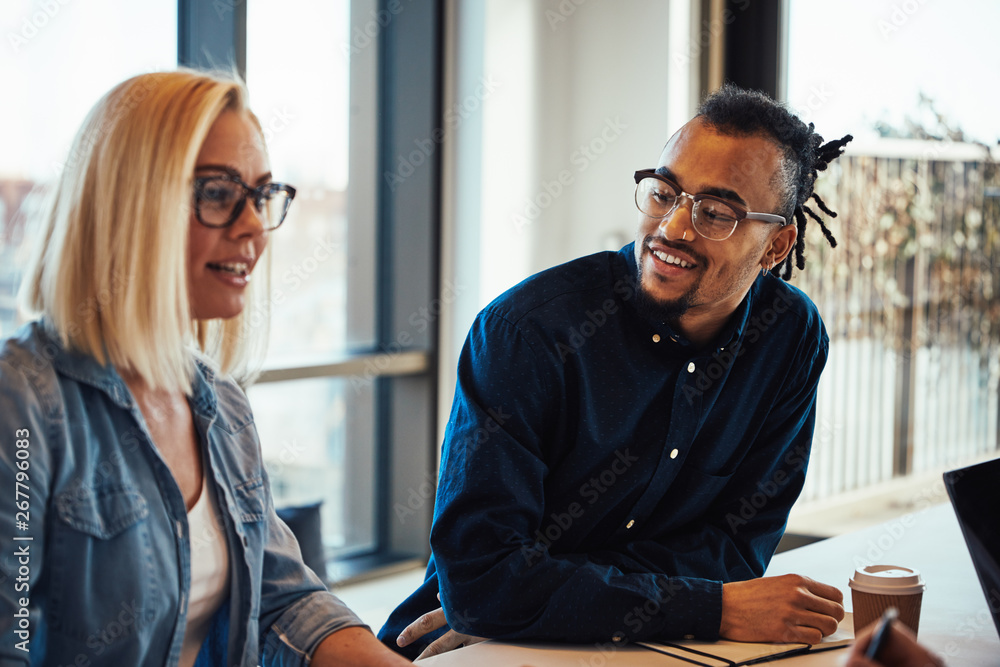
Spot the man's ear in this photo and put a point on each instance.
(781, 243)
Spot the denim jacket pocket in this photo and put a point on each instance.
(251, 500)
(101, 536)
(251, 506)
(104, 512)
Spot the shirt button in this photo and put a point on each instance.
(691, 367)
(656, 338)
(673, 454)
(630, 524)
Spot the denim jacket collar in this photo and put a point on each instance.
(86, 369)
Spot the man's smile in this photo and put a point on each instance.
(670, 260)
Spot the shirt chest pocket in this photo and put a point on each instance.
(102, 513)
(250, 507)
(692, 493)
(251, 500)
(101, 559)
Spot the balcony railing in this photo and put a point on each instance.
(911, 300)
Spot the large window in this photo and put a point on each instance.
(318, 434)
(54, 68)
(911, 295)
(345, 405)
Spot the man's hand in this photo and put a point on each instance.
(430, 622)
(900, 650)
(785, 609)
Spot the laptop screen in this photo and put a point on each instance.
(975, 495)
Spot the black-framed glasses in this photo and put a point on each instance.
(713, 217)
(219, 200)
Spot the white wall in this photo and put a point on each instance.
(554, 104)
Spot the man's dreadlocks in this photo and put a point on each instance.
(734, 111)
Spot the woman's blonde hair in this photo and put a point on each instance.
(109, 271)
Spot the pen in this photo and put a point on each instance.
(881, 634)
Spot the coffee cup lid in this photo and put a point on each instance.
(887, 580)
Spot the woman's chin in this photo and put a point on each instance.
(218, 311)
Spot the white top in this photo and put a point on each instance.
(209, 571)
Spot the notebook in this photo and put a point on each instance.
(975, 496)
(725, 653)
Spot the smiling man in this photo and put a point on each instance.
(699, 283)
(631, 429)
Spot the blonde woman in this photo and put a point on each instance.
(144, 530)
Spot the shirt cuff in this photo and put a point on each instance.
(292, 639)
(709, 621)
(693, 607)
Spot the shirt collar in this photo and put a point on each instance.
(85, 368)
(204, 400)
(733, 331)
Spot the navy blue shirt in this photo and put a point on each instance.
(602, 477)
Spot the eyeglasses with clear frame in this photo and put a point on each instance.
(219, 200)
(713, 217)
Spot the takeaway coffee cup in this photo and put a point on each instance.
(875, 588)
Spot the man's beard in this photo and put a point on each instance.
(671, 310)
(661, 311)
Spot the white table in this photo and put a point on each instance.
(954, 619)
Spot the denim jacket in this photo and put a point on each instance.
(94, 545)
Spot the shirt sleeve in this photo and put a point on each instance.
(496, 582)
(24, 474)
(296, 610)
